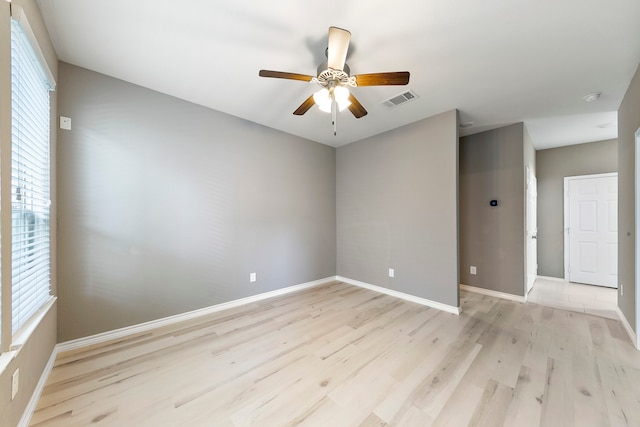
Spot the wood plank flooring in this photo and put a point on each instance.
(338, 355)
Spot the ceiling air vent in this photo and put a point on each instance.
(403, 98)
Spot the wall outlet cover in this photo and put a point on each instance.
(65, 123)
(392, 272)
(15, 383)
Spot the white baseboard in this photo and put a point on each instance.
(401, 295)
(147, 326)
(635, 340)
(144, 327)
(496, 294)
(37, 392)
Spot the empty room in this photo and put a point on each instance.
(355, 213)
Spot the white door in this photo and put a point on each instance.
(532, 229)
(593, 229)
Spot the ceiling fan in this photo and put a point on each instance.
(334, 79)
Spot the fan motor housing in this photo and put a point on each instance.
(325, 66)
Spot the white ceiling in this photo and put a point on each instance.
(497, 61)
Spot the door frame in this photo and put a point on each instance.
(567, 180)
(529, 172)
(637, 245)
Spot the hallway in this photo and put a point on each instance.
(557, 293)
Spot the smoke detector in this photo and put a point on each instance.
(592, 97)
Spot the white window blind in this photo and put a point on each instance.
(30, 122)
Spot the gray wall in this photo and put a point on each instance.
(553, 165)
(166, 206)
(397, 208)
(628, 123)
(492, 238)
(33, 355)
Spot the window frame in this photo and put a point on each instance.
(11, 339)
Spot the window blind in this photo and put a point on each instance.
(30, 203)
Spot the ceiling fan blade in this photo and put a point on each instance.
(304, 107)
(338, 46)
(356, 108)
(383, 79)
(283, 75)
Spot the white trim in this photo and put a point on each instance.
(529, 175)
(636, 194)
(147, 326)
(565, 226)
(23, 334)
(401, 295)
(6, 358)
(635, 340)
(35, 397)
(495, 294)
(18, 14)
(565, 209)
(144, 327)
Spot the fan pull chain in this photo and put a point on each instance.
(334, 116)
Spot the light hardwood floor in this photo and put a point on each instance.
(338, 355)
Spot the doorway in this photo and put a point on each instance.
(591, 229)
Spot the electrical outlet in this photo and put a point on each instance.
(253, 277)
(15, 383)
(621, 289)
(65, 123)
(392, 273)
(473, 269)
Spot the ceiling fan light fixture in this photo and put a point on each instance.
(341, 95)
(334, 77)
(323, 99)
(343, 104)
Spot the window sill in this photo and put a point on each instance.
(24, 333)
(5, 359)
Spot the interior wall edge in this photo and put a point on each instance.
(635, 339)
(397, 294)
